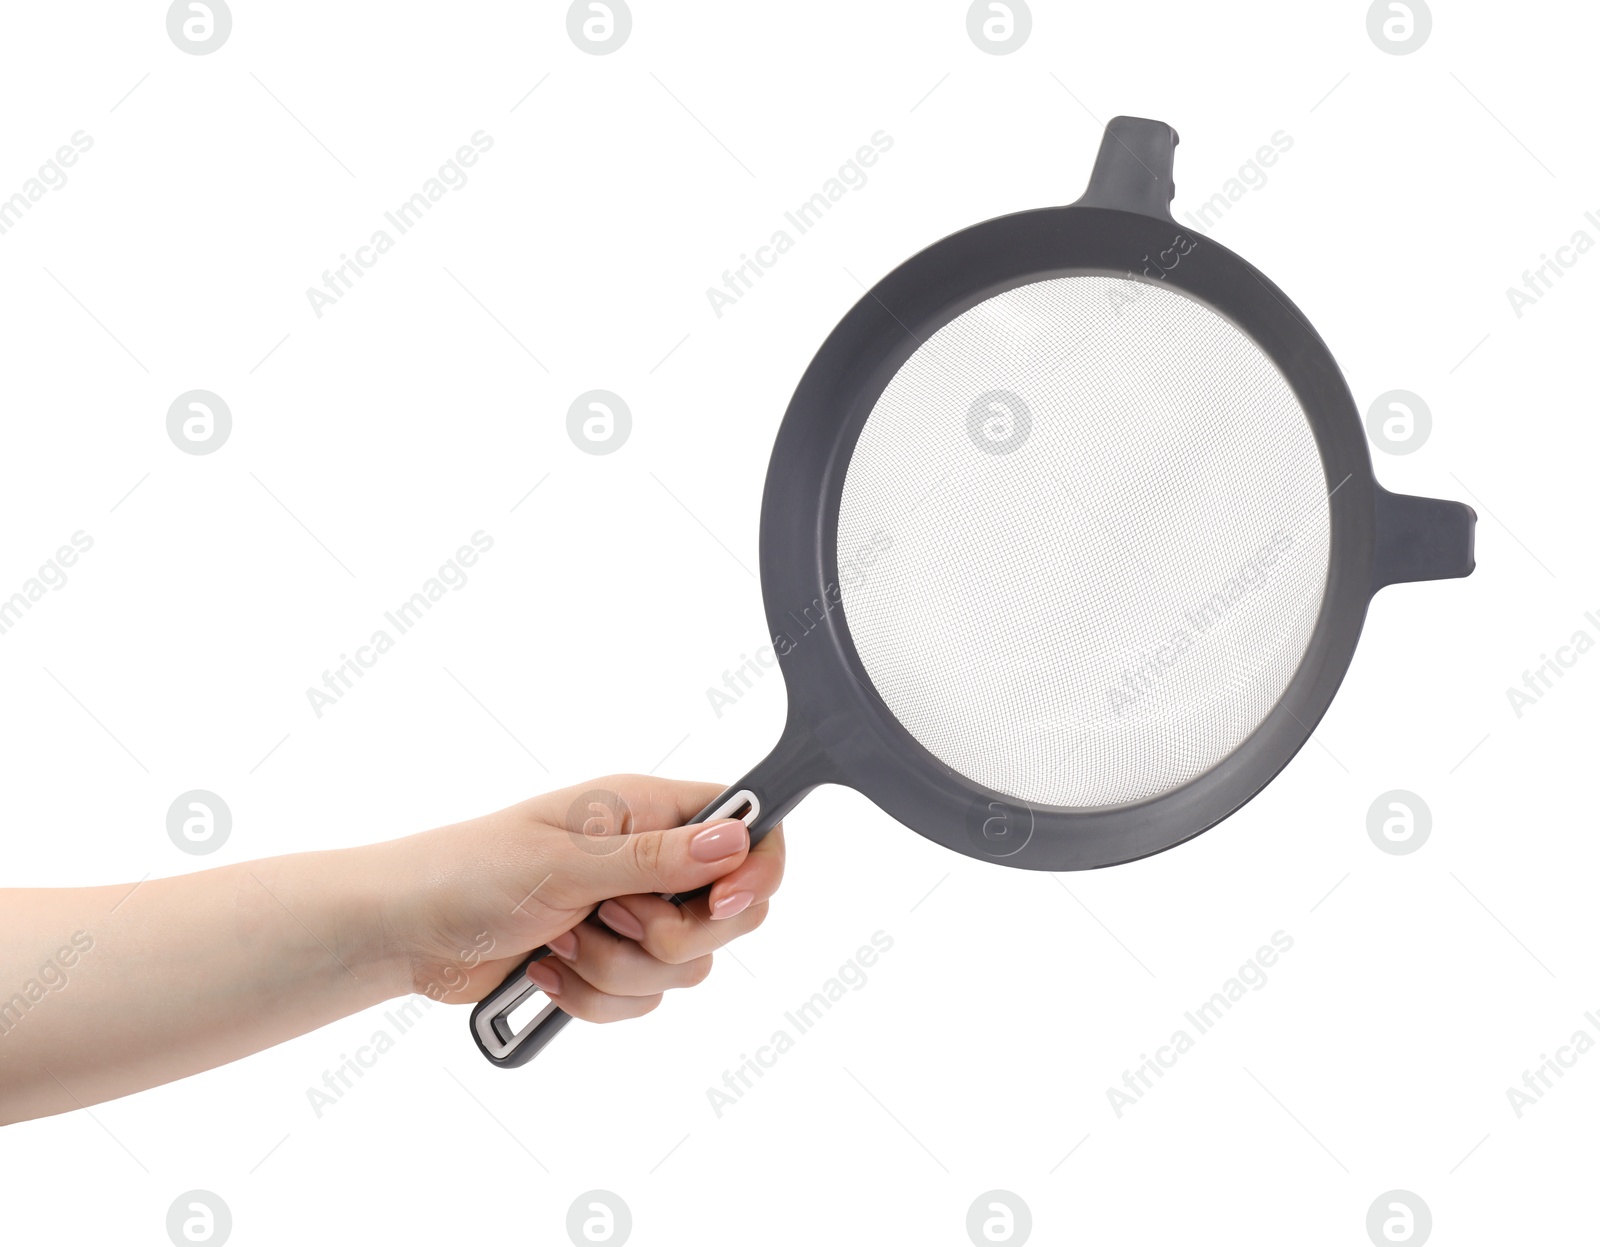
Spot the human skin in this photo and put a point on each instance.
(135, 985)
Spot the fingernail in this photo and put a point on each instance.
(564, 945)
(718, 841)
(733, 903)
(621, 921)
(545, 977)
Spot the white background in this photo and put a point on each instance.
(980, 1050)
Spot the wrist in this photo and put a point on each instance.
(352, 891)
(440, 925)
(399, 905)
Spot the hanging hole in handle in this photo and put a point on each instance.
(506, 1019)
(524, 1015)
(743, 805)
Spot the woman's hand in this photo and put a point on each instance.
(125, 987)
(473, 899)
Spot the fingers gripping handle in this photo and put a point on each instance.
(491, 1019)
(760, 799)
(510, 1047)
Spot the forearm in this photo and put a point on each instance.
(106, 991)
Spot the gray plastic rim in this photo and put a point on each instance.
(840, 731)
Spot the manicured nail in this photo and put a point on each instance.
(719, 840)
(733, 903)
(545, 977)
(564, 945)
(621, 921)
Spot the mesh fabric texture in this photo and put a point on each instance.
(1083, 541)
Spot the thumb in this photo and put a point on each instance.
(679, 859)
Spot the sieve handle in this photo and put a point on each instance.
(491, 1018)
(760, 800)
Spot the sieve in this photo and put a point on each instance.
(1067, 539)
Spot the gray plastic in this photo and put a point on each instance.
(839, 729)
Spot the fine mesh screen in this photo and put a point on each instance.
(1083, 541)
